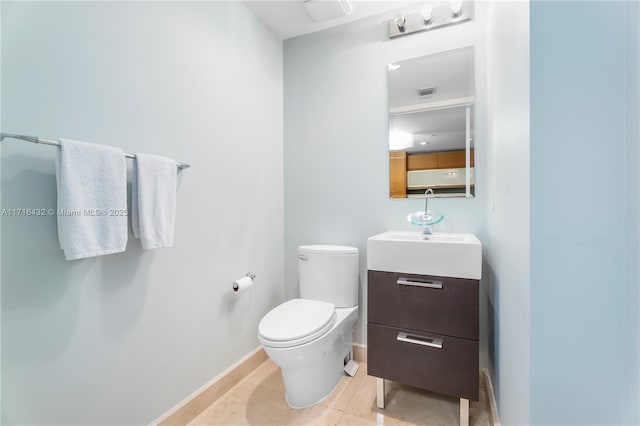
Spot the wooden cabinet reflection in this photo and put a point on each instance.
(400, 163)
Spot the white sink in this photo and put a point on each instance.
(444, 255)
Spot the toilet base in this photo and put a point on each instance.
(313, 370)
(310, 387)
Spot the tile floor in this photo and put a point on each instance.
(259, 400)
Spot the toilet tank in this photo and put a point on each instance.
(329, 273)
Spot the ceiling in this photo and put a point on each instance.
(289, 18)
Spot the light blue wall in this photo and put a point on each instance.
(81, 340)
(336, 148)
(121, 339)
(577, 212)
(632, 154)
(507, 272)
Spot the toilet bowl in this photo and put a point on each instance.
(312, 365)
(311, 338)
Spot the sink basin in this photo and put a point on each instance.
(444, 255)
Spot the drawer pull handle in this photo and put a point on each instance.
(427, 284)
(419, 340)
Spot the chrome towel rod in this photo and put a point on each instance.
(36, 139)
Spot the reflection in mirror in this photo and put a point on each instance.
(431, 125)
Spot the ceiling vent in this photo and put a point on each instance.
(324, 10)
(429, 91)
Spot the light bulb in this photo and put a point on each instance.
(400, 21)
(400, 140)
(426, 13)
(456, 8)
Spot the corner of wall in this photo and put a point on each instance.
(632, 193)
(508, 184)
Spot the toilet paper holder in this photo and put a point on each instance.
(237, 286)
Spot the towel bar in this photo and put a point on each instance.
(36, 139)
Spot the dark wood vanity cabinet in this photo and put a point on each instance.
(423, 331)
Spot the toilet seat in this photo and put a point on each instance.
(296, 322)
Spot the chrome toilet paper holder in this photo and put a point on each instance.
(236, 286)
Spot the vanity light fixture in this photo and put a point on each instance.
(427, 14)
(456, 8)
(430, 17)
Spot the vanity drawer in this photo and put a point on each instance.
(418, 302)
(438, 363)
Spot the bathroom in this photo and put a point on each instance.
(285, 123)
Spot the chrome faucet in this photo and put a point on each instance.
(428, 230)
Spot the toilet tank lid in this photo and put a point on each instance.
(327, 249)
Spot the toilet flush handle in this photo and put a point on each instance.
(303, 257)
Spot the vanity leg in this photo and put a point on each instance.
(464, 412)
(380, 392)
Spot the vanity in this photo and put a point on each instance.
(423, 288)
(423, 313)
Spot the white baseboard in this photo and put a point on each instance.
(359, 352)
(491, 398)
(199, 400)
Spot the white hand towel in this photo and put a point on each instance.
(92, 199)
(153, 200)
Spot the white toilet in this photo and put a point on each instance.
(311, 338)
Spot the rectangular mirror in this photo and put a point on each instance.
(431, 125)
